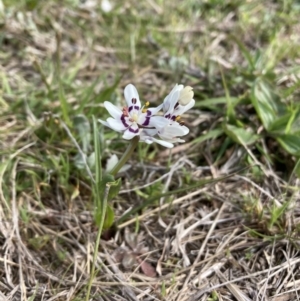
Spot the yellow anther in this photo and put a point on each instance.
(147, 104)
(144, 110)
(177, 118)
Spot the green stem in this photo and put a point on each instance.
(97, 244)
(131, 147)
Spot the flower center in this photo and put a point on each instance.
(134, 117)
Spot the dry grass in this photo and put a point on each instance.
(232, 239)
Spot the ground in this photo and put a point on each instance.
(214, 218)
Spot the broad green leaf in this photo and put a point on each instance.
(240, 135)
(293, 125)
(266, 103)
(289, 123)
(291, 143)
(109, 217)
(82, 126)
(114, 189)
(107, 190)
(280, 124)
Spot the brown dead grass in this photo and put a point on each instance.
(212, 243)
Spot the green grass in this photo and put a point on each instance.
(60, 60)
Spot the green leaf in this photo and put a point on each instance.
(289, 123)
(109, 217)
(82, 126)
(211, 103)
(291, 143)
(213, 134)
(279, 126)
(99, 185)
(266, 104)
(114, 189)
(240, 135)
(97, 150)
(107, 190)
(277, 212)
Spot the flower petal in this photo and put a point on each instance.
(155, 110)
(146, 135)
(116, 125)
(171, 99)
(182, 109)
(158, 122)
(132, 97)
(131, 132)
(172, 131)
(112, 110)
(163, 143)
(104, 122)
(148, 132)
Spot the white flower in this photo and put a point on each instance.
(134, 120)
(147, 135)
(131, 119)
(179, 100)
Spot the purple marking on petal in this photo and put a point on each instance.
(149, 113)
(168, 116)
(177, 104)
(133, 131)
(133, 100)
(147, 121)
(137, 107)
(124, 121)
(173, 117)
(130, 108)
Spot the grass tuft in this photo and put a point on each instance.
(215, 218)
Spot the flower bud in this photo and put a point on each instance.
(186, 95)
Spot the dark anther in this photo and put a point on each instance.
(133, 100)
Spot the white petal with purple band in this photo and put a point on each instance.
(134, 120)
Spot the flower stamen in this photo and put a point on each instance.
(125, 112)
